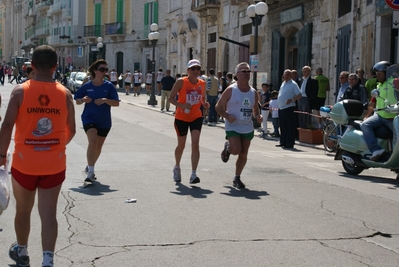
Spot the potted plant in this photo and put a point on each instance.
(310, 135)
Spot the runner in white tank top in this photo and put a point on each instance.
(113, 77)
(137, 82)
(128, 81)
(238, 103)
(159, 78)
(148, 82)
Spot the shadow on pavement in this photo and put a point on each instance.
(373, 179)
(194, 191)
(96, 189)
(246, 193)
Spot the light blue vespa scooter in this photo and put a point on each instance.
(353, 150)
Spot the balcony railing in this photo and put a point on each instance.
(55, 8)
(201, 5)
(42, 31)
(116, 28)
(43, 5)
(93, 31)
(67, 12)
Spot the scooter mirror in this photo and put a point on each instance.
(375, 93)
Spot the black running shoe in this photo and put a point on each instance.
(237, 183)
(20, 261)
(225, 153)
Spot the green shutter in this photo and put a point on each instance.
(155, 10)
(146, 22)
(119, 10)
(97, 19)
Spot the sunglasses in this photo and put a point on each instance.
(245, 71)
(195, 68)
(102, 69)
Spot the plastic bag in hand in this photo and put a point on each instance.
(5, 185)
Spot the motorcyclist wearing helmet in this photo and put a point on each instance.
(387, 94)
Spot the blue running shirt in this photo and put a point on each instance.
(92, 113)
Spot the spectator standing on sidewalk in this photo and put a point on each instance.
(265, 98)
(371, 83)
(324, 87)
(289, 93)
(360, 74)
(273, 106)
(212, 96)
(191, 94)
(99, 96)
(40, 167)
(238, 103)
(309, 89)
(343, 80)
(167, 85)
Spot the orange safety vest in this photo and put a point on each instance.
(190, 93)
(40, 129)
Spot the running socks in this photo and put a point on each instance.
(48, 257)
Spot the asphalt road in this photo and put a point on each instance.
(299, 207)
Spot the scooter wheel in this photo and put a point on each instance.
(352, 169)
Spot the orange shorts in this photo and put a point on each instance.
(31, 182)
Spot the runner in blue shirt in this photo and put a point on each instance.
(99, 96)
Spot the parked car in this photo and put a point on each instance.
(70, 81)
(77, 81)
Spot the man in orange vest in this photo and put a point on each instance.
(44, 117)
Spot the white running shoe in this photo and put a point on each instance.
(194, 179)
(176, 175)
(90, 177)
(87, 172)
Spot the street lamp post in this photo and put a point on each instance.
(153, 36)
(256, 13)
(99, 47)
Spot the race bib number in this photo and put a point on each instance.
(246, 114)
(193, 97)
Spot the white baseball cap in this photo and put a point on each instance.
(193, 62)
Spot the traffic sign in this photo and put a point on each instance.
(253, 62)
(394, 4)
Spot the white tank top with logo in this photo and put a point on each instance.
(148, 78)
(136, 77)
(113, 76)
(240, 106)
(159, 76)
(128, 78)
